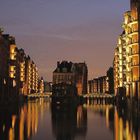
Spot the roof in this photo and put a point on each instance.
(64, 67)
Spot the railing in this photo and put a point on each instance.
(98, 95)
(99, 98)
(40, 95)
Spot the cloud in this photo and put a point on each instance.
(65, 37)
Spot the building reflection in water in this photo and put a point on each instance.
(106, 111)
(127, 125)
(124, 123)
(69, 122)
(20, 123)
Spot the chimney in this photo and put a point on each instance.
(58, 63)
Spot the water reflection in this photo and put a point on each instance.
(126, 125)
(68, 123)
(20, 123)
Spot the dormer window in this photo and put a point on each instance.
(64, 69)
(58, 69)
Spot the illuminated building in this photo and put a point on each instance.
(127, 54)
(21, 70)
(8, 65)
(18, 73)
(103, 84)
(31, 76)
(64, 73)
(34, 78)
(95, 85)
(110, 80)
(41, 85)
(71, 74)
(98, 85)
(12, 67)
(3, 65)
(81, 73)
(116, 71)
(64, 82)
(119, 63)
(47, 86)
(28, 77)
(90, 86)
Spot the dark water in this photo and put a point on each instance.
(38, 120)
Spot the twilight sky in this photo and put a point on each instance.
(75, 30)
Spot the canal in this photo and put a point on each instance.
(38, 120)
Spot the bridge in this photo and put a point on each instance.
(99, 98)
(40, 95)
(97, 95)
(92, 98)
